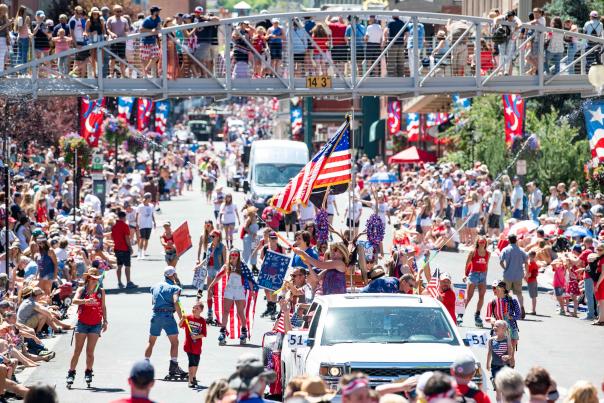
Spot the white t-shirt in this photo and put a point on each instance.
(94, 202)
(145, 216)
(355, 213)
(228, 213)
(331, 200)
(131, 218)
(61, 254)
(217, 200)
(374, 34)
(307, 213)
(496, 202)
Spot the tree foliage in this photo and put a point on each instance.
(556, 152)
(578, 10)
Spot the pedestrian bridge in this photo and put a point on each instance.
(235, 63)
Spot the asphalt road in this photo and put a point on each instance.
(565, 346)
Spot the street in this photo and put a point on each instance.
(561, 344)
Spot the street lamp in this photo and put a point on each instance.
(596, 77)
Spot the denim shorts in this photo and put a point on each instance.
(87, 329)
(163, 321)
(558, 291)
(477, 277)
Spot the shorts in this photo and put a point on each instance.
(515, 286)
(47, 276)
(477, 277)
(212, 272)
(494, 221)
(163, 321)
(123, 258)
(473, 221)
(87, 329)
(119, 49)
(339, 53)
(276, 50)
(202, 53)
(290, 219)
(299, 57)
(559, 291)
(532, 289)
(214, 52)
(145, 233)
(33, 320)
(149, 51)
(514, 334)
(170, 256)
(81, 56)
(235, 293)
(372, 52)
(351, 223)
(193, 359)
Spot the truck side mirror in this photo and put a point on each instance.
(310, 342)
(246, 185)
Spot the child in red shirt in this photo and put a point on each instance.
(531, 279)
(195, 330)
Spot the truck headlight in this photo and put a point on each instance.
(331, 370)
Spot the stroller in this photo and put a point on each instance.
(62, 296)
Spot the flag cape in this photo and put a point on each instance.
(91, 120)
(234, 324)
(330, 168)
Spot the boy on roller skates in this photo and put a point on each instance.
(165, 300)
(195, 329)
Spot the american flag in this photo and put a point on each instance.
(91, 120)
(329, 167)
(145, 105)
(280, 323)
(594, 122)
(433, 284)
(234, 325)
(124, 107)
(513, 115)
(413, 126)
(297, 124)
(162, 109)
(435, 119)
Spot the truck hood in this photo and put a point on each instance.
(265, 191)
(424, 353)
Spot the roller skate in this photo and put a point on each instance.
(175, 373)
(478, 320)
(70, 378)
(269, 306)
(243, 337)
(88, 377)
(222, 337)
(274, 314)
(210, 319)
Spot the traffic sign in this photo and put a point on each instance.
(97, 162)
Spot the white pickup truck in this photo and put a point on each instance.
(385, 336)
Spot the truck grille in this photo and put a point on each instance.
(396, 372)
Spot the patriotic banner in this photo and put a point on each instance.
(182, 239)
(296, 118)
(436, 119)
(413, 126)
(329, 168)
(461, 104)
(162, 109)
(594, 123)
(91, 120)
(513, 112)
(272, 272)
(234, 324)
(394, 117)
(433, 284)
(143, 113)
(124, 107)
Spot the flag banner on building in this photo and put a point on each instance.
(330, 168)
(413, 126)
(143, 113)
(436, 119)
(394, 117)
(272, 272)
(234, 324)
(91, 120)
(513, 113)
(594, 123)
(296, 118)
(124, 107)
(162, 109)
(461, 104)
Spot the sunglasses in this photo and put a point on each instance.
(234, 255)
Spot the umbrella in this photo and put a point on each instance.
(577, 231)
(549, 229)
(523, 227)
(382, 177)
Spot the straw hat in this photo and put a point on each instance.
(92, 272)
(314, 390)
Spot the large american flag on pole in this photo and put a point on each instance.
(234, 324)
(329, 167)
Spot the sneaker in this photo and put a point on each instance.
(562, 312)
(45, 353)
(120, 285)
(130, 284)
(588, 318)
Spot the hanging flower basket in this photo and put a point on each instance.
(71, 142)
(375, 229)
(116, 130)
(322, 226)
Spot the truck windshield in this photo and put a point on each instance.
(275, 174)
(387, 325)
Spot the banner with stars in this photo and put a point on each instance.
(513, 112)
(594, 122)
(394, 117)
(296, 116)
(162, 108)
(91, 119)
(143, 113)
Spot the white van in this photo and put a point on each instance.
(272, 164)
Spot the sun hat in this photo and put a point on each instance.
(314, 390)
(464, 364)
(92, 272)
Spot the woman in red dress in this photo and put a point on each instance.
(600, 296)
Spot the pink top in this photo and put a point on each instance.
(559, 274)
(61, 44)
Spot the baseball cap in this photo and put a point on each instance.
(464, 364)
(249, 369)
(40, 13)
(577, 248)
(199, 9)
(169, 271)
(445, 276)
(594, 14)
(142, 372)
(147, 195)
(155, 8)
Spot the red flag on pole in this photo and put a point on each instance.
(182, 239)
(91, 120)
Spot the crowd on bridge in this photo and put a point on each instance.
(259, 47)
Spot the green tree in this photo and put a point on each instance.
(578, 10)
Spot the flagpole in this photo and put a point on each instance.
(352, 185)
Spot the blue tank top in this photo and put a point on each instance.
(217, 256)
(334, 282)
(45, 265)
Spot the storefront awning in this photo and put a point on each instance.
(377, 130)
(428, 104)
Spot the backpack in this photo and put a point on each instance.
(500, 35)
